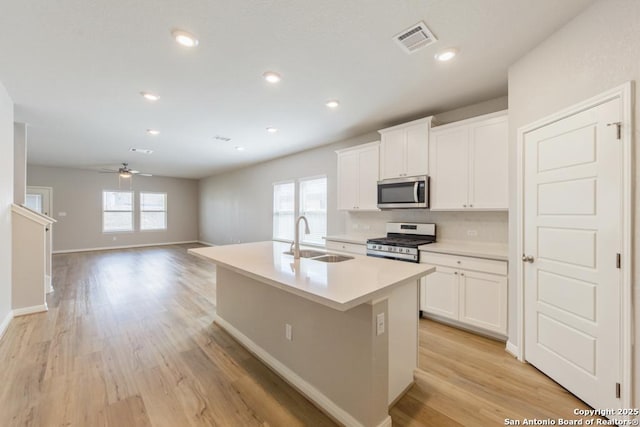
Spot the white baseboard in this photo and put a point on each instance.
(30, 310)
(47, 284)
(294, 379)
(106, 248)
(386, 423)
(512, 349)
(5, 323)
(202, 242)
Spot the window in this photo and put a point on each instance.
(117, 211)
(283, 210)
(153, 211)
(312, 193)
(313, 205)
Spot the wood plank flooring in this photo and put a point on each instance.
(129, 341)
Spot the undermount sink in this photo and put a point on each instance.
(307, 253)
(320, 256)
(332, 258)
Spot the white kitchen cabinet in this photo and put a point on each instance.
(470, 291)
(404, 149)
(468, 164)
(358, 177)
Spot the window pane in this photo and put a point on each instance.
(117, 221)
(283, 210)
(153, 202)
(34, 202)
(117, 201)
(313, 205)
(153, 220)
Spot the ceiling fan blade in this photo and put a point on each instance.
(145, 174)
(106, 171)
(133, 171)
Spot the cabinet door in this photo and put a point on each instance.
(440, 293)
(488, 163)
(417, 157)
(368, 163)
(448, 151)
(483, 300)
(393, 150)
(348, 180)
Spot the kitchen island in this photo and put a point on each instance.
(344, 334)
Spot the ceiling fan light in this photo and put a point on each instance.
(125, 174)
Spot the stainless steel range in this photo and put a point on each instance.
(402, 241)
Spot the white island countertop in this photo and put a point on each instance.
(340, 285)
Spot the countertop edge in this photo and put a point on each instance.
(492, 251)
(344, 306)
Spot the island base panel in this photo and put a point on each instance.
(334, 357)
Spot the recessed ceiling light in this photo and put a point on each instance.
(150, 96)
(446, 54)
(185, 38)
(334, 103)
(153, 132)
(272, 77)
(272, 129)
(141, 150)
(239, 148)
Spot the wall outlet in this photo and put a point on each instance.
(62, 214)
(115, 238)
(380, 324)
(472, 233)
(288, 332)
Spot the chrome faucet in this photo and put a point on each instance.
(295, 245)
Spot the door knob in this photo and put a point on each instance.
(526, 258)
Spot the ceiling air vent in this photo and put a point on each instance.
(415, 38)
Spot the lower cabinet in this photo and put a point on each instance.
(475, 295)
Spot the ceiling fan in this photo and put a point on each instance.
(125, 171)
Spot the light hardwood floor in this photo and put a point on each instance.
(129, 341)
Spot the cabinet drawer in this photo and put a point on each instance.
(353, 248)
(464, 262)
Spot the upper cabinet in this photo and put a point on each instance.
(404, 149)
(468, 164)
(358, 177)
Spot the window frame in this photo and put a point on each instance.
(299, 206)
(297, 209)
(104, 210)
(273, 207)
(165, 211)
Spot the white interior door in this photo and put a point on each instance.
(572, 232)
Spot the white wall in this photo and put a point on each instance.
(19, 163)
(237, 206)
(6, 198)
(79, 193)
(596, 51)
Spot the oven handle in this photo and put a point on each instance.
(415, 191)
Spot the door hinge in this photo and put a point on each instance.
(618, 125)
(618, 261)
(618, 390)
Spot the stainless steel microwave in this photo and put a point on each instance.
(410, 192)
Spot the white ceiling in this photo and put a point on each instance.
(75, 68)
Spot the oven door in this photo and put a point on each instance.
(404, 193)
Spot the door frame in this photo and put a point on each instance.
(625, 93)
(49, 190)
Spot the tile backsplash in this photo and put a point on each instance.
(490, 227)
